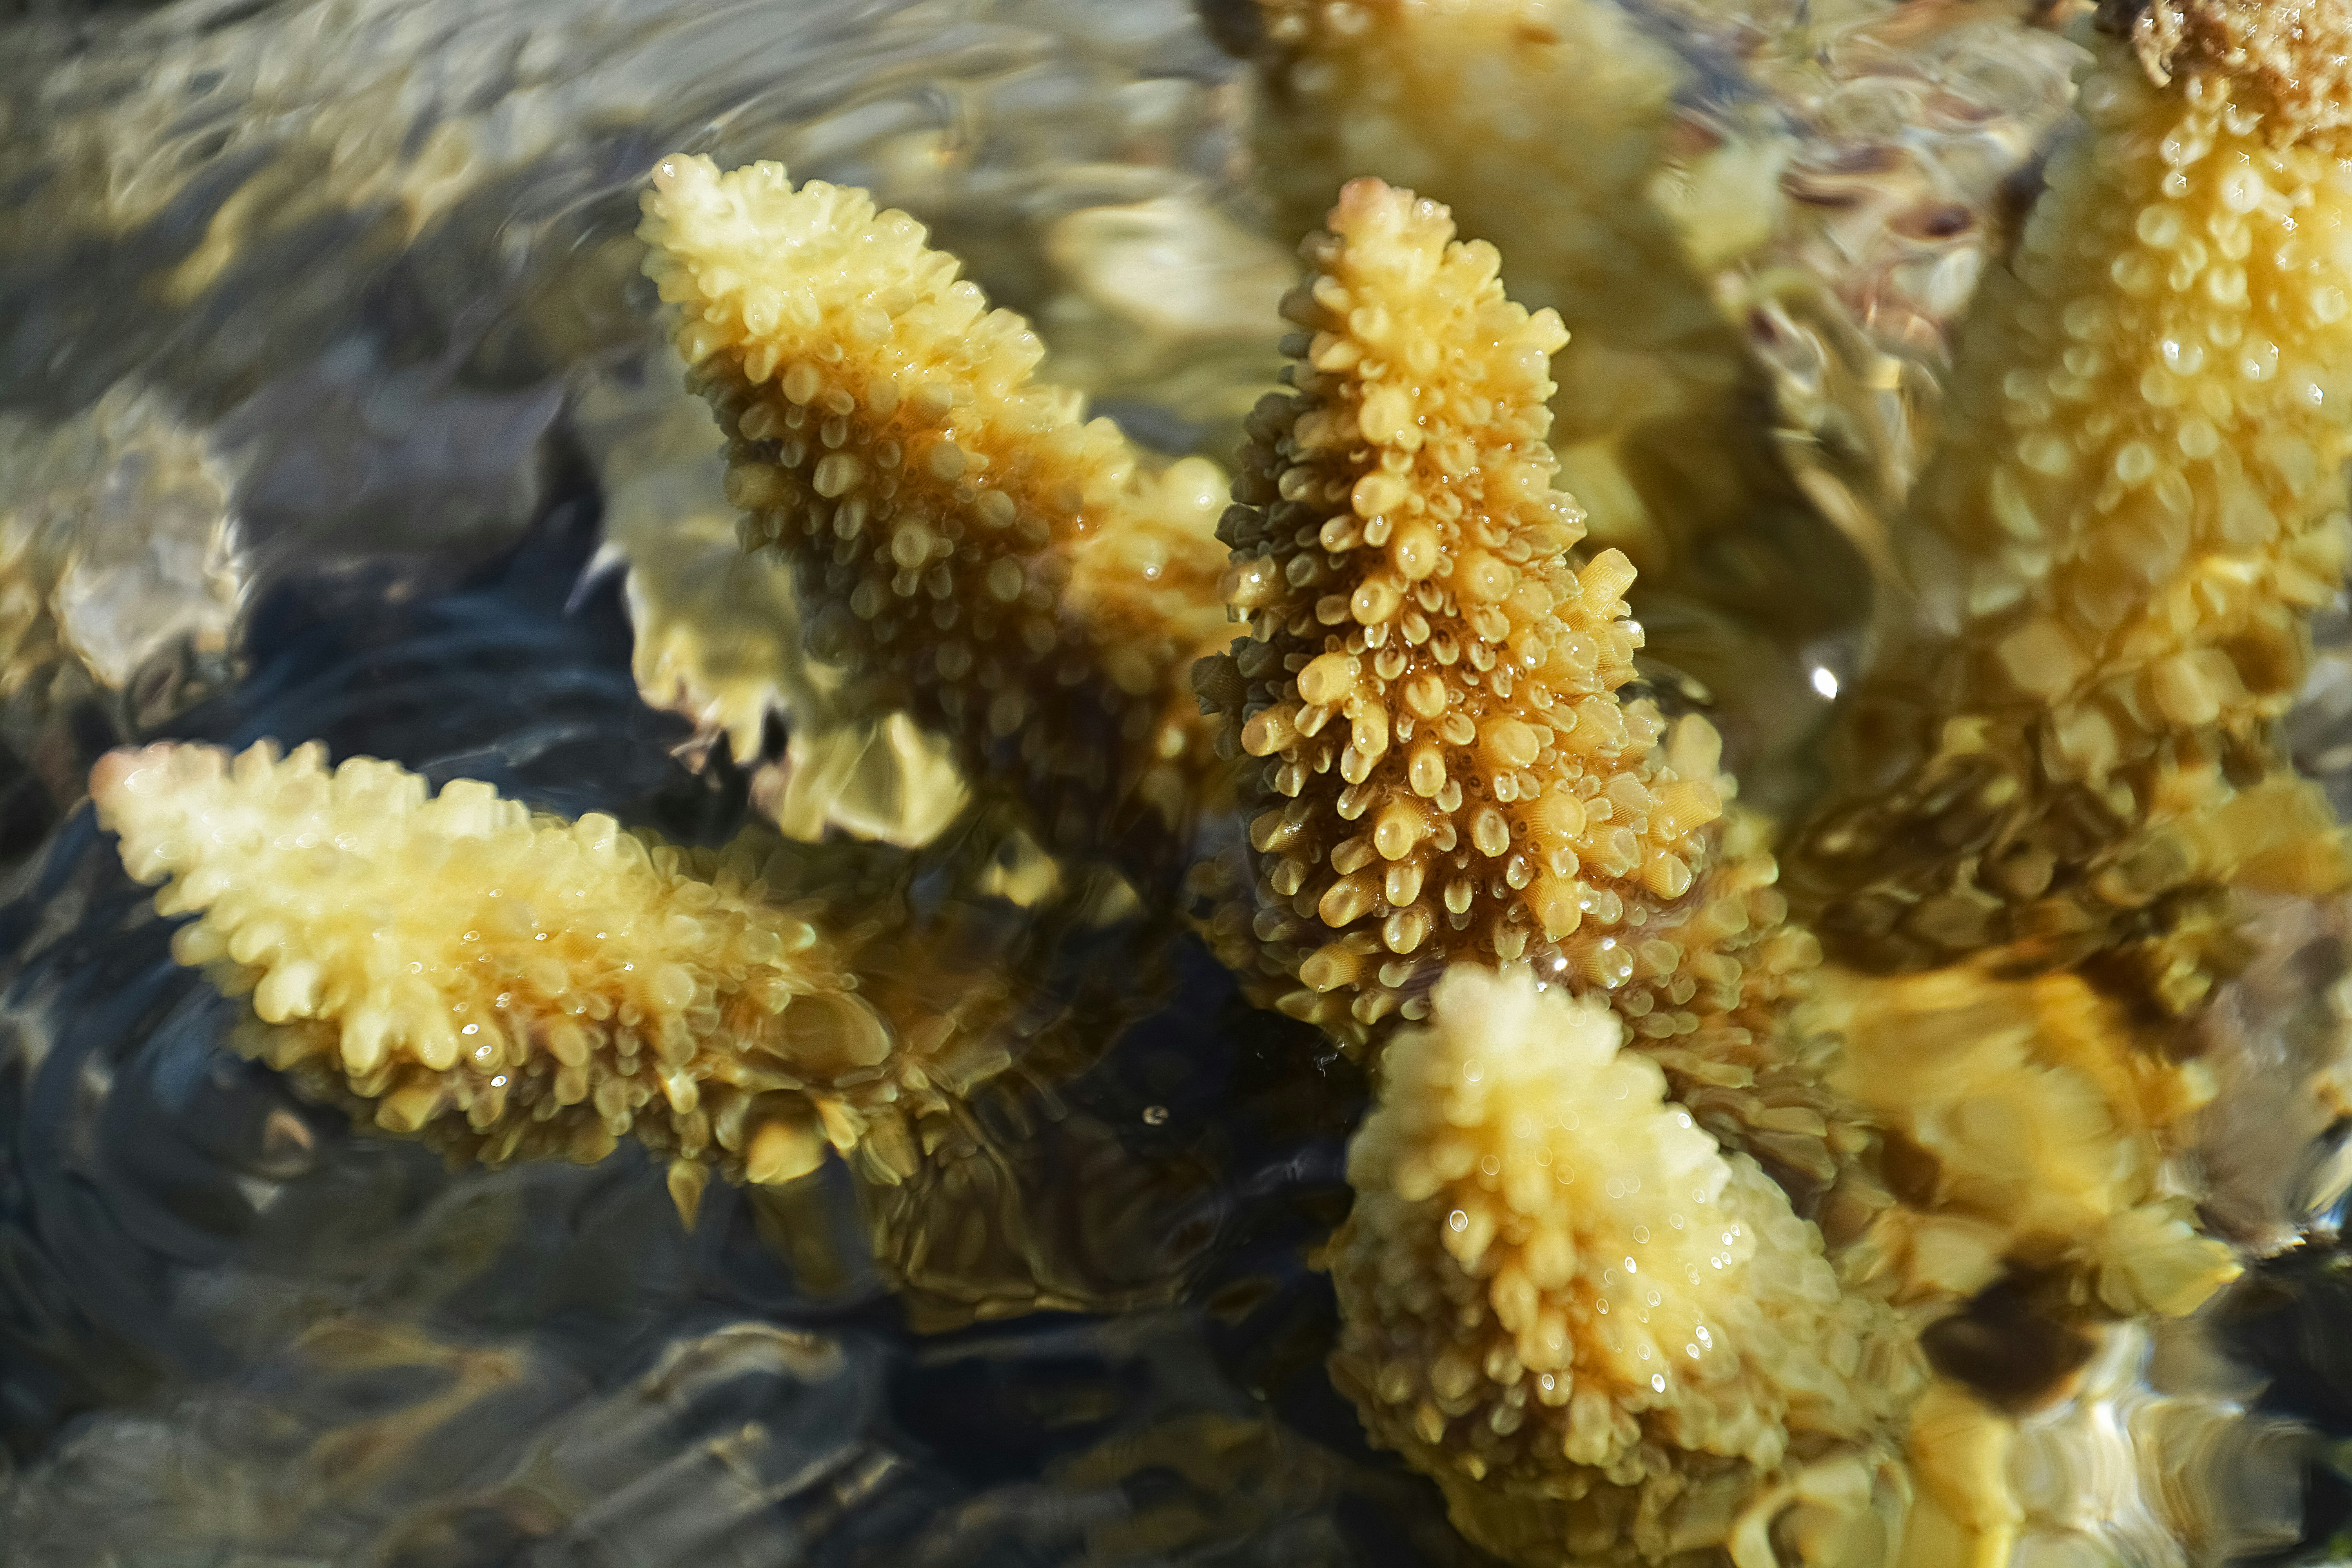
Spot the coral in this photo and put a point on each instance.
(1912, 130)
(2136, 501)
(1557, 131)
(1432, 684)
(965, 532)
(1654, 1211)
(717, 639)
(2293, 59)
(515, 987)
(1965, 1512)
(1542, 125)
(1600, 1334)
(2034, 1133)
(1449, 773)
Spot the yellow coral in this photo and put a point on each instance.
(2035, 1133)
(1448, 773)
(965, 532)
(2137, 499)
(1601, 1334)
(1432, 684)
(511, 986)
(2295, 56)
(717, 637)
(1549, 129)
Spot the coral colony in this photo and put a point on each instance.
(1678, 1165)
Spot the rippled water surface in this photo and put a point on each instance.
(322, 347)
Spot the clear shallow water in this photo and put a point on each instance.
(335, 300)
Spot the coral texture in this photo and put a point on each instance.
(963, 529)
(2294, 58)
(1448, 773)
(519, 987)
(1551, 130)
(1600, 1334)
(1542, 126)
(2137, 499)
(717, 637)
(1623, 1273)
(1432, 684)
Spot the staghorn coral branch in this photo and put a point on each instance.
(1449, 775)
(1038, 595)
(1548, 128)
(2138, 500)
(517, 986)
(1605, 1338)
(1432, 683)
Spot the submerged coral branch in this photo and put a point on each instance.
(2138, 501)
(2033, 1133)
(1603, 1336)
(1449, 773)
(1551, 130)
(517, 986)
(965, 532)
(1448, 769)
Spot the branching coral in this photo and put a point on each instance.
(1542, 125)
(2137, 499)
(718, 638)
(1432, 684)
(1552, 129)
(1449, 773)
(1622, 1274)
(963, 530)
(1604, 1337)
(516, 986)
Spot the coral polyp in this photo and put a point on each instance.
(2138, 500)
